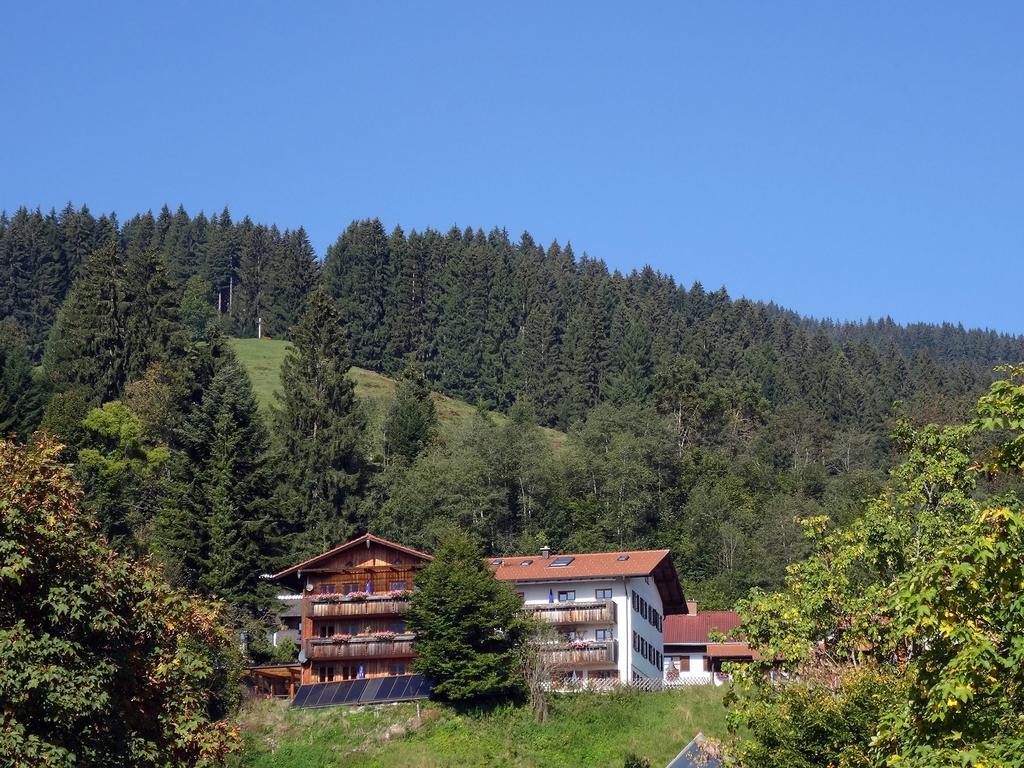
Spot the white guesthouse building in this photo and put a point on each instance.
(609, 609)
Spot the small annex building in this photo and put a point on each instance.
(691, 656)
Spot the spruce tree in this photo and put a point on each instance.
(319, 425)
(87, 343)
(412, 418)
(471, 632)
(226, 445)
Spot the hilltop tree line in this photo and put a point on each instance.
(692, 420)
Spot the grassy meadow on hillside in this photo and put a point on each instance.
(583, 730)
(262, 360)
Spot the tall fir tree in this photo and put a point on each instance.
(87, 343)
(319, 426)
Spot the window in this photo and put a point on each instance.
(396, 668)
(622, 558)
(572, 634)
(683, 663)
(560, 562)
(604, 674)
(349, 672)
(351, 587)
(636, 641)
(636, 601)
(602, 594)
(398, 627)
(567, 596)
(326, 630)
(602, 634)
(527, 562)
(327, 589)
(326, 674)
(397, 585)
(497, 561)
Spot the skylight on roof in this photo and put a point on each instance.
(527, 562)
(561, 562)
(622, 557)
(497, 561)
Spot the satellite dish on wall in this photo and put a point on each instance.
(309, 587)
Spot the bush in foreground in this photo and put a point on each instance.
(101, 662)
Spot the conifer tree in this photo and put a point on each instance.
(470, 629)
(21, 396)
(151, 329)
(87, 343)
(319, 425)
(226, 444)
(411, 419)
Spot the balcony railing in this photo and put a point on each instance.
(570, 655)
(596, 612)
(359, 648)
(368, 607)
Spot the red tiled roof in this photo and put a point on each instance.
(585, 566)
(731, 651)
(598, 565)
(348, 544)
(693, 630)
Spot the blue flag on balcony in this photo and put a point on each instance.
(369, 587)
(362, 672)
(551, 596)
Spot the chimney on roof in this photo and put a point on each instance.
(545, 551)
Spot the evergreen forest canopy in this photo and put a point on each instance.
(694, 421)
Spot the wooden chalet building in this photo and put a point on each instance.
(353, 600)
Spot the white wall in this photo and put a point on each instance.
(645, 588)
(630, 662)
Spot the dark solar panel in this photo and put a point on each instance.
(350, 693)
(387, 686)
(301, 695)
(369, 694)
(368, 691)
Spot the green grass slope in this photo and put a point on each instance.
(262, 360)
(593, 730)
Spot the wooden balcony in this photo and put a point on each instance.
(361, 648)
(370, 607)
(578, 612)
(595, 653)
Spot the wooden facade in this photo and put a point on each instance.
(354, 598)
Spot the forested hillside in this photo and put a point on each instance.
(694, 421)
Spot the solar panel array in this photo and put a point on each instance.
(373, 690)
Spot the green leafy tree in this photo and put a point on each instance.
(122, 472)
(470, 628)
(318, 426)
(906, 622)
(101, 663)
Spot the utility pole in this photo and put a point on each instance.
(259, 328)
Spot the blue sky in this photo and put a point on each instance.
(844, 160)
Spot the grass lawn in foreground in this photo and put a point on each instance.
(592, 730)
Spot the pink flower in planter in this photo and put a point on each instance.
(341, 637)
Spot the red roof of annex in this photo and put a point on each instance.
(694, 629)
